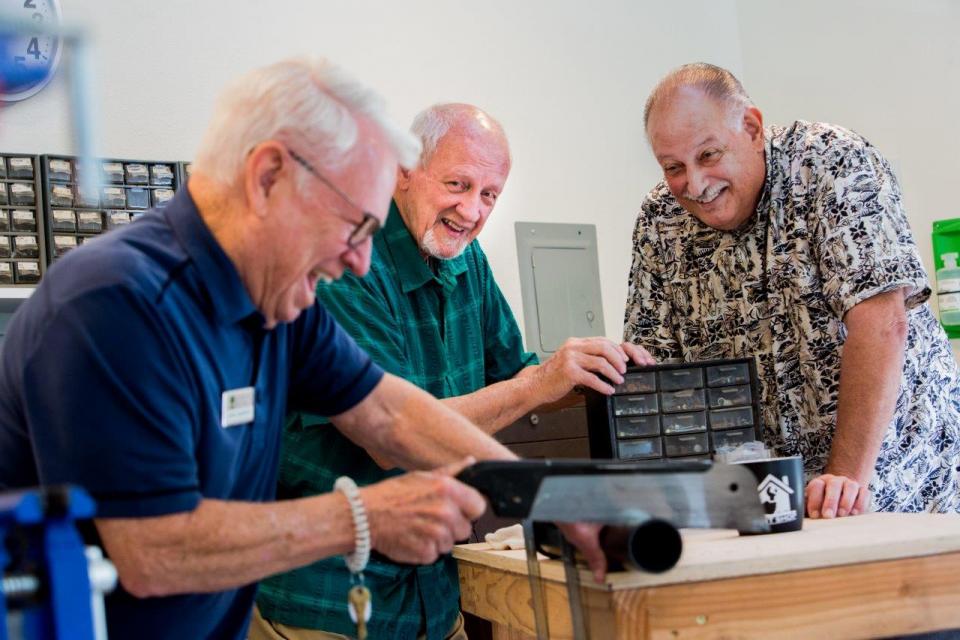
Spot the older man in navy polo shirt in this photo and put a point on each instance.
(154, 366)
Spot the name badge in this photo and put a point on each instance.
(236, 407)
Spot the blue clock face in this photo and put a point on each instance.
(32, 58)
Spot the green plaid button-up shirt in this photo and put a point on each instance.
(450, 333)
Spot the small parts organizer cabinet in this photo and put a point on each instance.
(676, 410)
(126, 189)
(22, 252)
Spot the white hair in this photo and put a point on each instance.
(307, 102)
(431, 124)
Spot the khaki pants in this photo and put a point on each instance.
(261, 629)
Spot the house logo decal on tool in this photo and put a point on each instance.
(775, 495)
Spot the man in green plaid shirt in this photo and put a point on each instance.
(430, 312)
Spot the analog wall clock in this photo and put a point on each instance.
(33, 57)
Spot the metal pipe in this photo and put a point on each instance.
(654, 546)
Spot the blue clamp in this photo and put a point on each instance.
(50, 561)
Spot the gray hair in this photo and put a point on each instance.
(716, 82)
(431, 124)
(307, 102)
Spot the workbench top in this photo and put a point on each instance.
(712, 554)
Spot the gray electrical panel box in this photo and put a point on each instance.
(559, 283)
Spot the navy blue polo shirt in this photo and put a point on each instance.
(113, 376)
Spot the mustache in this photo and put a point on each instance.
(709, 193)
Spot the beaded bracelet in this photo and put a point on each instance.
(356, 561)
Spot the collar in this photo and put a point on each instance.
(227, 294)
(764, 201)
(413, 270)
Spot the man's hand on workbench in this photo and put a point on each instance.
(585, 536)
(830, 495)
(587, 362)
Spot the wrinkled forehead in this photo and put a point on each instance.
(686, 117)
(474, 148)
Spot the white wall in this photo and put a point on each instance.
(567, 78)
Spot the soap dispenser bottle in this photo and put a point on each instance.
(948, 292)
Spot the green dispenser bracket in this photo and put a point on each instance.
(946, 241)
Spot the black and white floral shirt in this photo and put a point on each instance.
(829, 233)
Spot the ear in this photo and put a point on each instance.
(753, 125)
(262, 170)
(403, 179)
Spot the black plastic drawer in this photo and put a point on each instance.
(732, 437)
(686, 445)
(731, 418)
(721, 397)
(637, 405)
(639, 449)
(723, 375)
(685, 400)
(638, 427)
(684, 423)
(674, 379)
(641, 382)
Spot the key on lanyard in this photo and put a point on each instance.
(360, 608)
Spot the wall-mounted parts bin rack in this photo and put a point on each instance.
(23, 254)
(125, 190)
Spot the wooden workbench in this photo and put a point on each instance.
(868, 576)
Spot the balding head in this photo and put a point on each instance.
(434, 122)
(714, 82)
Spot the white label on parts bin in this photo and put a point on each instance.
(948, 285)
(949, 302)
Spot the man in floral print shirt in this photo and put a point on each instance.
(791, 244)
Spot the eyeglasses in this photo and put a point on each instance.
(361, 230)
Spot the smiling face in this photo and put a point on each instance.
(712, 162)
(446, 203)
(305, 232)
